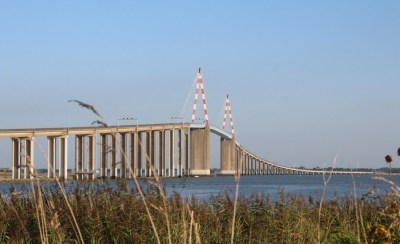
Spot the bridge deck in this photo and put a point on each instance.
(63, 131)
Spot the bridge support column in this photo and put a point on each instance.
(133, 154)
(16, 158)
(171, 171)
(123, 155)
(179, 153)
(104, 155)
(153, 169)
(149, 153)
(186, 152)
(51, 157)
(242, 161)
(79, 156)
(247, 163)
(238, 163)
(91, 157)
(113, 156)
(22, 158)
(255, 166)
(228, 157)
(251, 165)
(261, 167)
(139, 154)
(258, 166)
(63, 158)
(161, 153)
(29, 156)
(200, 151)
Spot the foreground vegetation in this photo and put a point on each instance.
(104, 215)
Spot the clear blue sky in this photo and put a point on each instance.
(307, 79)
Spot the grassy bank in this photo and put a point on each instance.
(120, 216)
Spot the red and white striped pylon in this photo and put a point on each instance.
(200, 85)
(228, 110)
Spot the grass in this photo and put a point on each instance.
(120, 216)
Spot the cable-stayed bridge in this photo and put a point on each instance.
(165, 150)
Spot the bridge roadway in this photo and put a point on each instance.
(168, 150)
(63, 131)
(265, 166)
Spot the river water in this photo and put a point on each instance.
(269, 185)
(272, 185)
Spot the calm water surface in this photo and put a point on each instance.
(339, 185)
(271, 185)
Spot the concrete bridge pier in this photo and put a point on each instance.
(92, 156)
(62, 157)
(243, 162)
(179, 168)
(103, 155)
(123, 156)
(228, 156)
(22, 158)
(161, 153)
(252, 166)
(186, 132)
(113, 169)
(29, 156)
(148, 157)
(139, 155)
(85, 157)
(171, 171)
(238, 167)
(133, 154)
(200, 151)
(247, 163)
(51, 156)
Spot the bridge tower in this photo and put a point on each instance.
(200, 87)
(228, 111)
(228, 146)
(200, 137)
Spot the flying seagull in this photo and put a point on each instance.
(85, 105)
(99, 122)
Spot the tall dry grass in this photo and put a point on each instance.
(119, 215)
